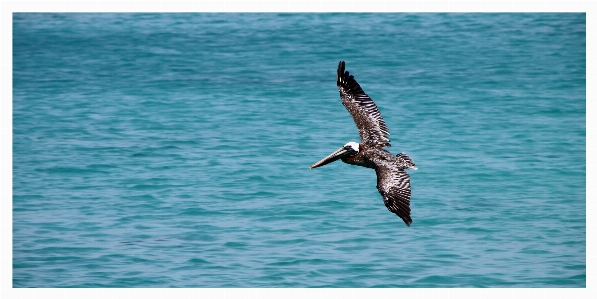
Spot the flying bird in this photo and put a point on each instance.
(393, 183)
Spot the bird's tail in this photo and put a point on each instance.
(405, 162)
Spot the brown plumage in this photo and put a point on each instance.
(393, 183)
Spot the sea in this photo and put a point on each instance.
(172, 150)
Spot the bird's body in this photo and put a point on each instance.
(393, 183)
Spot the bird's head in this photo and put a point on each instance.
(348, 150)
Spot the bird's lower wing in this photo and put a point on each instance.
(394, 186)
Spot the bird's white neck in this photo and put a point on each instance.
(353, 145)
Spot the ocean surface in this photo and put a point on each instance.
(173, 150)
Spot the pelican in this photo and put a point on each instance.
(393, 183)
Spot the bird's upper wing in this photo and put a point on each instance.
(372, 128)
(393, 184)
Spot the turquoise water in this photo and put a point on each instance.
(173, 150)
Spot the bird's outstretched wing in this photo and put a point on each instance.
(393, 183)
(372, 128)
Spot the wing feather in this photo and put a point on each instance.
(371, 126)
(393, 183)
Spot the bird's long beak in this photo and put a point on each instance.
(332, 157)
